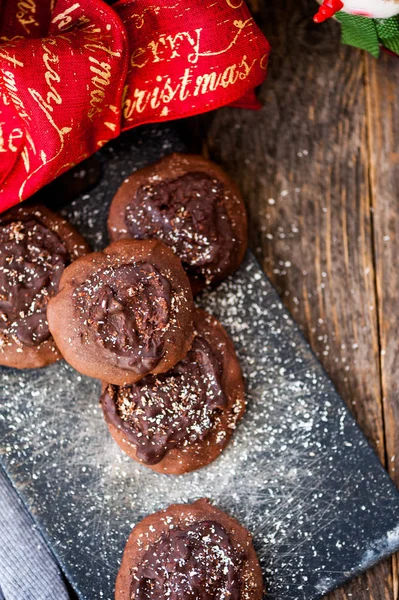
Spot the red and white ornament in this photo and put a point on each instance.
(374, 9)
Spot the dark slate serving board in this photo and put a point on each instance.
(299, 475)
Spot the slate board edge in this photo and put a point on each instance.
(338, 581)
(394, 548)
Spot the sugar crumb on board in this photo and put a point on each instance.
(290, 475)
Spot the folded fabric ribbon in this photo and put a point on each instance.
(370, 34)
(75, 73)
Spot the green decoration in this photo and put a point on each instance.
(369, 34)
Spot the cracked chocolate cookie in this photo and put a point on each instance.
(186, 552)
(124, 312)
(36, 245)
(191, 205)
(181, 420)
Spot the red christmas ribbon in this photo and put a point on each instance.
(75, 73)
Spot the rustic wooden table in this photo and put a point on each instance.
(319, 169)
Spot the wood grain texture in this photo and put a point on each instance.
(383, 124)
(302, 164)
(308, 165)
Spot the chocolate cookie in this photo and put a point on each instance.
(36, 246)
(123, 312)
(189, 551)
(181, 420)
(191, 205)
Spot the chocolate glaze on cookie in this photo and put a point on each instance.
(128, 308)
(189, 552)
(191, 205)
(181, 420)
(171, 408)
(35, 247)
(124, 312)
(182, 561)
(187, 214)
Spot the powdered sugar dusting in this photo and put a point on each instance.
(293, 474)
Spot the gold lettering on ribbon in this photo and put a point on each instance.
(15, 134)
(64, 19)
(2, 140)
(159, 95)
(102, 74)
(136, 55)
(46, 103)
(101, 80)
(247, 68)
(211, 81)
(52, 97)
(240, 26)
(194, 41)
(11, 87)
(168, 47)
(25, 152)
(166, 90)
(25, 158)
(139, 18)
(26, 10)
(207, 82)
(11, 59)
(51, 75)
(100, 46)
(185, 81)
(233, 5)
(263, 62)
(126, 104)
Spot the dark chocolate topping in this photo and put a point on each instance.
(195, 563)
(32, 260)
(174, 408)
(127, 310)
(188, 214)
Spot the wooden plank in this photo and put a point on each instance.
(383, 118)
(302, 164)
